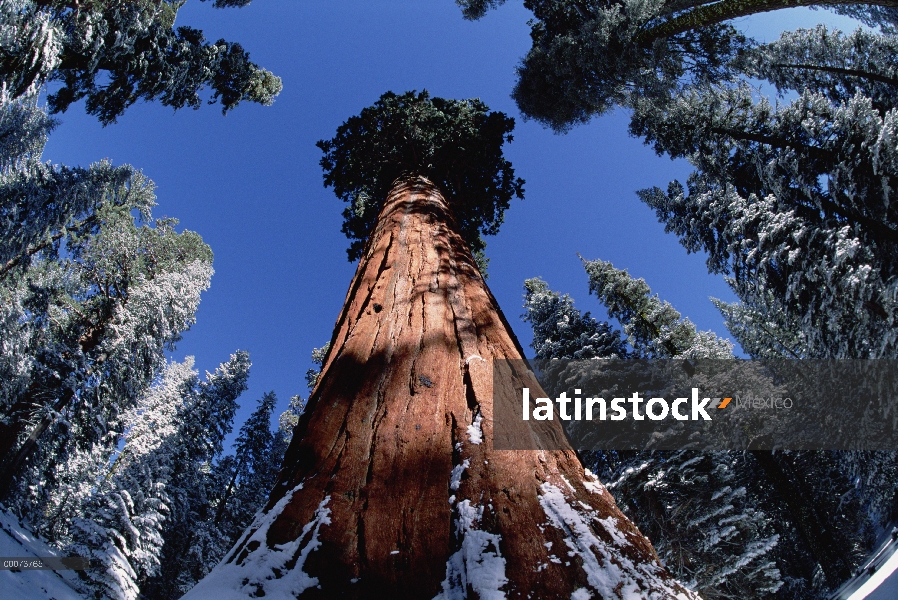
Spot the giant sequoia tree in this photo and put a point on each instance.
(391, 486)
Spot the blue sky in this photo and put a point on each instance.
(250, 183)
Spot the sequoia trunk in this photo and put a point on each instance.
(391, 487)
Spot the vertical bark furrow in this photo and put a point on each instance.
(350, 295)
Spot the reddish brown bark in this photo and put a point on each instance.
(364, 503)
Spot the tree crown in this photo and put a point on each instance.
(457, 144)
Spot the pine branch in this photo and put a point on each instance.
(725, 10)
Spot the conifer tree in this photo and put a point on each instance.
(32, 42)
(96, 322)
(223, 497)
(109, 526)
(91, 297)
(40, 202)
(318, 356)
(189, 543)
(390, 486)
(793, 201)
(561, 331)
(832, 540)
(863, 482)
(254, 470)
(288, 419)
(125, 523)
(655, 329)
(702, 511)
(809, 235)
(829, 62)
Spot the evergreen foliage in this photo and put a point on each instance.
(475, 9)
(831, 63)
(257, 456)
(110, 527)
(561, 331)
(654, 328)
(94, 323)
(707, 526)
(40, 203)
(589, 56)
(792, 201)
(160, 473)
(762, 333)
(116, 52)
(31, 43)
(289, 418)
(191, 544)
(318, 357)
(703, 512)
(456, 144)
(96, 457)
(805, 229)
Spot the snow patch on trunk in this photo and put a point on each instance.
(478, 564)
(475, 430)
(265, 569)
(455, 476)
(593, 484)
(608, 571)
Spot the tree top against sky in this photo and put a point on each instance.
(456, 144)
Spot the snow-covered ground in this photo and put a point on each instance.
(878, 580)
(16, 541)
(883, 585)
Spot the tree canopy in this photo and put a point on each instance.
(791, 200)
(794, 202)
(591, 55)
(114, 53)
(457, 144)
(106, 450)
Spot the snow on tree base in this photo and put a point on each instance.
(478, 564)
(608, 571)
(278, 571)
